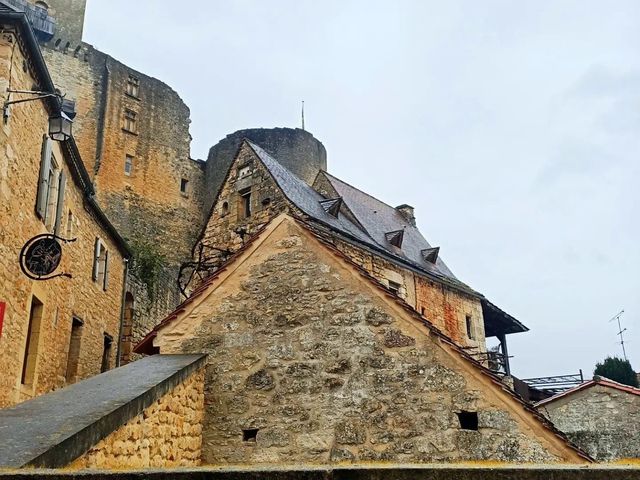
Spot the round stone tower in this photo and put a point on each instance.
(296, 149)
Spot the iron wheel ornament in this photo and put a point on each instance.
(40, 257)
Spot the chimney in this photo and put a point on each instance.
(407, 212)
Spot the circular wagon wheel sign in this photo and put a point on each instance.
(40, 257)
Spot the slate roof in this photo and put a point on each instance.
(377, 218)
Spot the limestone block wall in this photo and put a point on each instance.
(308, 364)
(62, 298)
(603, 421)
(166, 434)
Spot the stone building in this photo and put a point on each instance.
(56, 331)
(600, 416)
(314, 360)
(337, 333)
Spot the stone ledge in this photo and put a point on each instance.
(387, 472)
(55, 429)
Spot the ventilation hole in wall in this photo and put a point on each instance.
(58, 42)
(77, 51)
(468, 420)
(266, 201)
(66, 47)
(249, 434)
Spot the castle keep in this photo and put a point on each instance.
(266, 311)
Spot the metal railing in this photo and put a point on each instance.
(40, 20)
(555, 384)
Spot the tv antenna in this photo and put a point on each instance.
(302, 114)
(620, 331)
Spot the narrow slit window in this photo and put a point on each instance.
(245, 203)
(128, 165)
(184, 185)
(73, 356)
(469, 325)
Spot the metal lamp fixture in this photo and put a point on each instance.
(60, 127)
(59, 123)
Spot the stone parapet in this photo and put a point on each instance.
(146, 414)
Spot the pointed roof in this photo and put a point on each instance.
(597, 380)
(145, 346)
(378, 219)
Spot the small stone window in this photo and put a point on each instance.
(469, 325)
(130, 121)
(244, 205)
(133, 86)
(394, 287)
(184, 186)
(250, 435)
(225, 208)
(128, 165)
(70, 220)
(468, 420)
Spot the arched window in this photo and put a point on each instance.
(225, 208)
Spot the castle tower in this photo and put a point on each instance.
(56, 23)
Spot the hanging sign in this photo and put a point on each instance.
(41, 256)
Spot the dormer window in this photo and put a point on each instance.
(332, 206)
(430, 255)
(395, 238)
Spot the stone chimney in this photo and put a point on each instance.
(407, 212)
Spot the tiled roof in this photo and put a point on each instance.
(597, 380)
(376, 217)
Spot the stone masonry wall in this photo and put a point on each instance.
(166, 434)
(147, 206)
(62, 298)
(603, 421)
(309, 364)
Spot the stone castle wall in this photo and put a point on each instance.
(166, 434)
(603, 421)
(62, 298)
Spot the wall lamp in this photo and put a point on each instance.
(59, 123)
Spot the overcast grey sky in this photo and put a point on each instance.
(512, 127)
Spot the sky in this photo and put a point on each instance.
(513, 128)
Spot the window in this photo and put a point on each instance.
(468, 420)
(101, 264)
(130, 120)
(244, 205)
(128, 165)
(70, 220)
(74, 350)
(106, 353)
(33, 339)
(394, 287)
(469, 324)
(133, 86)
(51, 185)
(225, 208)
(184, 185)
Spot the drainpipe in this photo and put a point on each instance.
(125, 280)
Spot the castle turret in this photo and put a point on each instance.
(298, 150)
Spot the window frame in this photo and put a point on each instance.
(133, 86)
(128, 165)
(244, 206)
(130, 118)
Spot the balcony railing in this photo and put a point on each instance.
(43, 24)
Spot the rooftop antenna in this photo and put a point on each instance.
(620, 331)
(302, 114)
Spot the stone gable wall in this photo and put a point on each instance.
(603, 421)
(302, 351)
(166, 434)
(63, 298)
